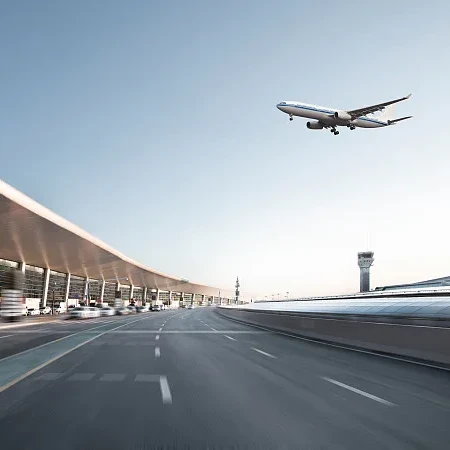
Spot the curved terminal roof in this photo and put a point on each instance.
(31, 233)
(431, 307)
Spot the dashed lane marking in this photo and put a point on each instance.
(262, 352)
(157, 337)
(358, 391)
(230, 338)
(157, 352)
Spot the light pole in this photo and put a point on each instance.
(53, 298)
(278, 296)
(287, 295)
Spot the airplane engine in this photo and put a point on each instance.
(342, 115)
(314, 125)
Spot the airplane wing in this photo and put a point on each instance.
(371, 109)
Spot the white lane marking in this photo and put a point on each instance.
(263, 353)
(56, 340)
(160, 329)
(113, 377)
(358, 391)
(330, 344)
(50, 376)
(165, 390)
(230, 338)
(81, 377)
(157, 352)
(3, 337)
(157, 337)
(213, 329)
(30, 372)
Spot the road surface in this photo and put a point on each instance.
(192, 379)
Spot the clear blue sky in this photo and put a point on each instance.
(153, 126)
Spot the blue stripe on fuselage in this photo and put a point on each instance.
(325, 111)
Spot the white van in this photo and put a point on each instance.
(61, 308)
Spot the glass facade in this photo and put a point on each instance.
(94, 290)
(34, 282)
(137, 294)
(57, 285)
(5, 267)
(76, 288)
(110, 291)
(125, 292)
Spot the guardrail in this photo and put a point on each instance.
(413, 338)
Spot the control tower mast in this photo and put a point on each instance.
(365, 261)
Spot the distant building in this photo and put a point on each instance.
(435, 282)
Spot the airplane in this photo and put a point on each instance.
(332, 118)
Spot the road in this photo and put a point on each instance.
(193, 379)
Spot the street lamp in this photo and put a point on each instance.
(287, 295)
(278, 296)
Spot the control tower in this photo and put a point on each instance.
(365, 260)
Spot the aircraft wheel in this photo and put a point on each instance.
(336, 133)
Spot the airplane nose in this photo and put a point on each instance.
(279, 106)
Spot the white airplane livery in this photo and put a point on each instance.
(331, 118)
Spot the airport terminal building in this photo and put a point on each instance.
(63, 263)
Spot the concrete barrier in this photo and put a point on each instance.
(418, 342)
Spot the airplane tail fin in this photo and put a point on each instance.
(392, 122)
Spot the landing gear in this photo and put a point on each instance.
(334, 131)
(352, 127)
(290, 117)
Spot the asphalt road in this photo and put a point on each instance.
(193, 379)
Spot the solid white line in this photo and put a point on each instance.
(230, 338)
(157, 352)
(330, 344)
(157, 337)
(9, 335)
(263, 353)
(51, 342)
(357, 391)
(30, 372)
(165, 390)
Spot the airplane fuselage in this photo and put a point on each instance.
(327, 116)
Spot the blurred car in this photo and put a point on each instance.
(156, 308)
(107, 311)
(191, 307)
(132, 309)
(140, 309)
(123, 311)
(84, 312)
(45, 310)
(33, 312)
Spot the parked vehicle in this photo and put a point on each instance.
(156, 308)
(33, 312)
(84, 312)
(107, 311)
(132, 309)
(123, 311)
(45, 310)
(61, 308)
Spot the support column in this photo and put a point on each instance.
(86, 292)
(66, 294)
(182, 298)
(192, 299)
(144, 295)
(22, 266)
(131, 292)
(157, 296)
(170, 298)
(45, 292)
(203, 300)
(102, 292)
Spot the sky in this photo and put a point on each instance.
(153, 126)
